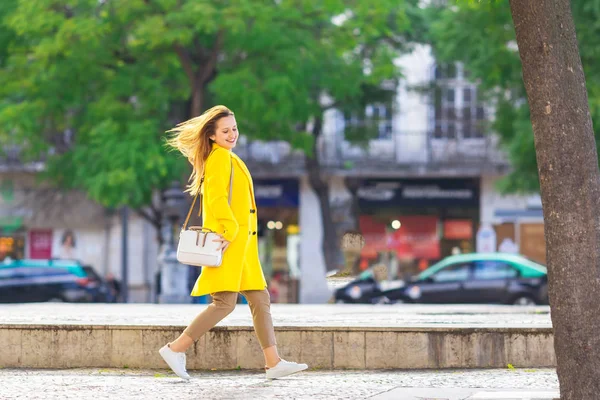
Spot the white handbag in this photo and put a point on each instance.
(197, 244)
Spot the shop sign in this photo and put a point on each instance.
(457, 229)
(419, 192)
(277, 192)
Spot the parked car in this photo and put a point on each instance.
(465, 278)
(25, 281)
(366, 289)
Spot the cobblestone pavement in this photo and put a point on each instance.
(244, 385)
(294, 315)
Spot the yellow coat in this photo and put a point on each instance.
(240, 269)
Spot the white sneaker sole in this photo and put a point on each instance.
(285, 372)
(172, 366)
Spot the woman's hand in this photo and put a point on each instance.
(224, 243)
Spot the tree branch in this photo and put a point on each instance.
(152, 219)
(205, 73)
(186, 63)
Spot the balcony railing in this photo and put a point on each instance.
(11, 160)
(402, 151)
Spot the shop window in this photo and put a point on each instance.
(12, 247)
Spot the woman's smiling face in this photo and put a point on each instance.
(226, 132)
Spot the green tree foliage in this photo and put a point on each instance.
(80, 94)
(91, 86)
(481, 35)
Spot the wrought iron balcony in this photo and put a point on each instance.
(404, 153)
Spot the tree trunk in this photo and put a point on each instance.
(154, 217)
(330, 245)
(353, 185)
(197, 100)
(570, 187)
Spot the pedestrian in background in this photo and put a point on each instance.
(207, 142)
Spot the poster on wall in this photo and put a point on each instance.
(65, 245)
(39, 244)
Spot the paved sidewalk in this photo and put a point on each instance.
(284, 315)
(124, 384)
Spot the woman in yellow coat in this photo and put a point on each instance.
(207, 141)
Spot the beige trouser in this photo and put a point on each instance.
(224, 303)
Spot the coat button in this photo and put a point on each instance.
(252, 211)
(254, 233)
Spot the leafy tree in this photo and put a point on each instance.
(481, 35)
(78, 95)
(91, 86)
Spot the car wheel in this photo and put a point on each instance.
(55, 300)
(381, 300)
(524, 301)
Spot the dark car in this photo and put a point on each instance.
(477, 278)
(102, 292)
(466, 278)
(365, 289)
(25, 281)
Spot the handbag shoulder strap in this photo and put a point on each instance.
(189, 214)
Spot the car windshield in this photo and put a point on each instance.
(91, 273)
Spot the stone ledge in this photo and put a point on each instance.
(229, 347)
(451, 328)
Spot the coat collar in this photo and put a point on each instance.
(216, 146)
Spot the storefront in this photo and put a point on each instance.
(409, 224)
(12, 238)
(278, 235)
(524, 229)
(517, 220)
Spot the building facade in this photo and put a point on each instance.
(426, 187)
(40, 222)
(426, 181)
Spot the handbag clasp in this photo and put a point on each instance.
(201, 232)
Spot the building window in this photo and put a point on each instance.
(445, 113)
(377, 121)
(457, 112)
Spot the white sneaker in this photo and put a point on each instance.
(285, 368)
(175, 360)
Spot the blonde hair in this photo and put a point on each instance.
(192, 139)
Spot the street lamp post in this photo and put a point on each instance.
(174, 275)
